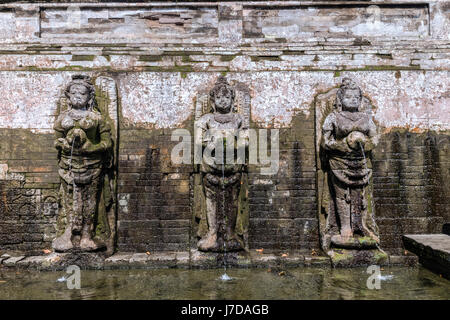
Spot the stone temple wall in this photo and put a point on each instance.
(287, 52)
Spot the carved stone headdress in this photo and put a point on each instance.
(347, 84)
(220, 85)
(85, 81)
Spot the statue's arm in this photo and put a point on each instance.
(243, 131)
(59, 134)
(372, 135)
(202, 128)
(329, 142)
(61, 143)
(105, 139)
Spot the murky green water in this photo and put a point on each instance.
(305, 283)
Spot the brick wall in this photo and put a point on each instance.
(154, 195)
(283, 212)
(411, 188)
(29, 184)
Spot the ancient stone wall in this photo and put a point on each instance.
(162, 54)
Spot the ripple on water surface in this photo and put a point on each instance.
(305, 283)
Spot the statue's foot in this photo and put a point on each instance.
(353, 242)
(87, 244)
(208, 243)
(64, 242)
(346, 233)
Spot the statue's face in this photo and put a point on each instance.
(351, 100)
(78, 96)
(223, 101)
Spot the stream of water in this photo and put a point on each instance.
(364, 154)
(225, 276)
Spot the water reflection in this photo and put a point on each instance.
(305, 283)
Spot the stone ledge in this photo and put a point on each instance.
(407, 260)
(433, 251)
(193, 259)
(12, 261)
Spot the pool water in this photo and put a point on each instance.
(304, 283)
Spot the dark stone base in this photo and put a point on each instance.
(433, 251)
(344, 258)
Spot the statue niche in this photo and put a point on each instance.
(345, 137)
(220, 187)
(86, 135)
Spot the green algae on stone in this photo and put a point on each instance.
(83, 57)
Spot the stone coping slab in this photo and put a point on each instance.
(193, 259)
(433, 251)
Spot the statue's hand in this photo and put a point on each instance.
(63, 145)
(211, 145)
(356, 140)
(88, 147)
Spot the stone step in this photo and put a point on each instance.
(194, 259)
(433, 251)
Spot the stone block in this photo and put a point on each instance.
(118, 261)
(182, 259)
(317, 261)
(34, 262)
(12, 261)
(138, 260)
(291, 260)
(162, 260)
(433, 251)
(404, 261)
(202, 260)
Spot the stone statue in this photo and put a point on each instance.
(347, 139)
(221, 181)
(85, 157)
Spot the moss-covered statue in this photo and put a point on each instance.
(221, 180)
(348, 136)
(85, 157)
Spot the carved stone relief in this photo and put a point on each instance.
(220, 187)
(86, 136)
(345, 138)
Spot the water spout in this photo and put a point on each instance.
(224, 276)
(364, 155)
(71, 155)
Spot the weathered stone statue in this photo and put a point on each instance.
(85, 158)
(221, 181)
(348, 136)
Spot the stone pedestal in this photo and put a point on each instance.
(347, 258)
